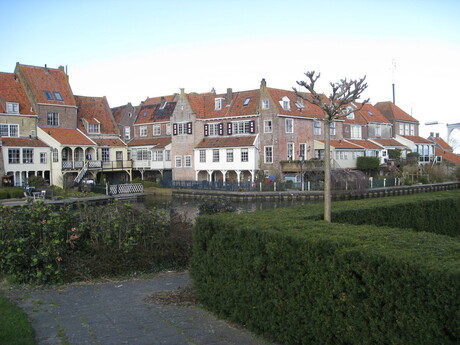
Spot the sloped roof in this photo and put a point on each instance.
(95, 110)
(371, 114)
(108, 141)
(441, 143)
(157, 142)
(448, 156)
(343, 144)
(365, 144)
(149, 113)
(41, 79)
(393, 112)
(23, 142)
(159, 100)
(240, 141)
(388, 142)
(68, 136)
(118, 112)
(308, 110)
(417, 139)
(12, 91)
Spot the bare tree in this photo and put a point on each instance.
(339, 104)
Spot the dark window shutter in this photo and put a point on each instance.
(174, 128)
(252, 128)
(221, 128)
(229, 128)
(189, 128)
(206, 129)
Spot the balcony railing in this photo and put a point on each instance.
(104, 165)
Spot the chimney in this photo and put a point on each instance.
(437, 135)
(432, 134)
(182, 91)
(229, 97)
(46, 69)
(263, 84)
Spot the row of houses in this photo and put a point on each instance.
(48, 131)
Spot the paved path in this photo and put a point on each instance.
(115, 313)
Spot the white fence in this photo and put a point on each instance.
(124, 188)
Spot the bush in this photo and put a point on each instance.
(368, 164)
(218, 205)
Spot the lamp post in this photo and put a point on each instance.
(302, 161)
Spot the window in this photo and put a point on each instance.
(43, 157)
(157, 155)
(143, 131)
(213, 129)
(105, 154)
(156, 129)
(355, 132)
(290, 151)
(13, 156)
(48, 95)
(188, 161)
(12, 108)
(181, 128)
(268, 157)
(168, 129)
(93, 128)
(246, 101)
(412, 129)
(57, 95)
(317, 127)
(52, 119)
(143, 155)
(289, 125)
(241, 127)
(406, 129)
(178, 161)
(144, 114)
(349, 111)
(285, 103)
(119, 155)
(167, 155)
(332, 128)
(299, 105)
(127, 133)
(268, 126)
(229, 155)
(27, 156)
(55, 155)
(163, 105)
(244, 155)
(401, 129)
(7, 130)
(202, 156)
(218, 102)
(302, 151)
(378, 130)
(265, 104)
(215, 155)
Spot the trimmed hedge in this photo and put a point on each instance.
(300, 281)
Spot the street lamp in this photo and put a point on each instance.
(302, 161)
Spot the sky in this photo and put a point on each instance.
(131, 50)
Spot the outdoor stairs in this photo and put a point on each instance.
(81, 173)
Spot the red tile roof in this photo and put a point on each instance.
(149, 113)
(109, 142)
(95, 110)
(243, 141)
(343, 144)
(393, 112)
(23, 142)
(41, 79)
(159, 100)
(365, 143)
(441, 143)
(12, 91)
(158, 142)
(68, 136)
(308, 110)
(372, 114)
(388, 142)
(417, 139)
(448, 156)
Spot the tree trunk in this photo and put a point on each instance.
(327, 170)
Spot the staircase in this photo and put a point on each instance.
(81, 173)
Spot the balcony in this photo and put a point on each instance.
(97, 165)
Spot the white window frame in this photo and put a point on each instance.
(55, 155)
(188, 161)
(303, 150)
(268, 154)
(289, 125)
(178, 161)
(127, 133)
(412, 129)
(157, 155)
(12, 108)
(52, 119)
(268, 126)
(94, 128)
(156, 130)
(168, 129)
(290, 151)
(316, 127)
(215, 155)
(245, 154)
(378, 130)
(202, 156)
(143, 131)
(105, 154)
(356, 132)
(218, 103)
(265, 103)
(14, 156)
(27, 156)
(241, 127)
(213, 129)
(9, 130)
(167, 155)
(181, 128)
(43, 157)
(229, 155)
(332, 128)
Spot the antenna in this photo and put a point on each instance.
(393, 73)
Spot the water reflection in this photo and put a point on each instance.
(189, 207)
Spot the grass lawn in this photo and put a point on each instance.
(15, 328)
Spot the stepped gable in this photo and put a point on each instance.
(11, 91)
(44, 79)
(95, 110)
(298, 107)
(393, 112)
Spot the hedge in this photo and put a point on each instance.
(300, 281)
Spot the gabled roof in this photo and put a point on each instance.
(95, 110)
(305, 109)
(157, 142)
(441, 143)
(417, 140)
(23, 142)
(68, 136)
(393, 113)
(448, 156)
(343, 144)
(365, 144)
(240, 141)
(161, 99)
(371, 114)
(109, 142)
(41, 79)
(149, 113)
(388, 143)
(118, 112)
(12, 91)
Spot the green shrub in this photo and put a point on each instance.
(368, 164)
(217, 205)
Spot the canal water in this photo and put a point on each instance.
(190, 207)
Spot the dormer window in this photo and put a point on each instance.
(285, 103)
(48, 95)
(370, 113)
(93, 128)
(144, 114)
(12, 108)
(299, 105)
(57, 95)
(349, 110)
(163, 105)
(218, 103)
(246, 101)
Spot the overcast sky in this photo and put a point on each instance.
(129, 50)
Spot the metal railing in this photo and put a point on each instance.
(104, 165)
